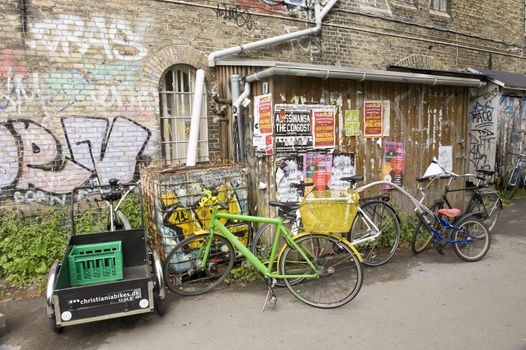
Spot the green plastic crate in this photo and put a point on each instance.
(95, 263)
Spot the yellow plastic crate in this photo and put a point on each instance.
(329, 211)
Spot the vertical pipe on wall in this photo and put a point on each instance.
(237, 123)
(193, 140)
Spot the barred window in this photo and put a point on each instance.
(175, 97)
(439, 5)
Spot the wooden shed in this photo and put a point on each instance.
(385, 124)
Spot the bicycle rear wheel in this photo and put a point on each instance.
(474, 239)
(490, 205)
(378, 251)
(422, 236)
(262, 246)
(340, 271)
(511, 187)
(184, 272)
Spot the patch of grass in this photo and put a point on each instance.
(242, 275)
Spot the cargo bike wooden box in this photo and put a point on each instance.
(104, 275)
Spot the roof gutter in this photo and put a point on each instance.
(318, 13)
(397, 77)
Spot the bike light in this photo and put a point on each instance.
(66, 316)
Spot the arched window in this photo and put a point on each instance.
(176, 98)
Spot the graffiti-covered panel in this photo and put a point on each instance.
(179, 201)
(482, 129)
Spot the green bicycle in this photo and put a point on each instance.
(320, 270)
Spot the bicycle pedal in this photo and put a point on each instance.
(439, 248)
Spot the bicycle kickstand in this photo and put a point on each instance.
(271, 298)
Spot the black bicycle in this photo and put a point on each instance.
(485, 203)
(515, 177)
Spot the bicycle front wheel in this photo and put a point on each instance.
(184, 271)
(490, 205)
(511, 187)
(422, 236)
(376, 251)
(340, 273)
(471, 240)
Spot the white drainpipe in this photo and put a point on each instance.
(193, 140)
(318, 13)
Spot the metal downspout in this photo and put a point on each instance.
(319, 15)
(237, 119)
(236, 111)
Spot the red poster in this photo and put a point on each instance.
(265, 115)
(323, 128)
(373, 112)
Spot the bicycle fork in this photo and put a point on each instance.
(371, 228)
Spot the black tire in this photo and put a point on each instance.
(183, 272)
(262, 246)
(341, 272)
(512, 185)
(490, 205)
(422, 236)
(471, 228)
(378, 251)
(53, 325)
(160, 304)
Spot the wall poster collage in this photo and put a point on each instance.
(322, 170)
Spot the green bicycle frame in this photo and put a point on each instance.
(281, 230)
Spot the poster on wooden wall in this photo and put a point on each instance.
(263, 140)
(292, 128)
(352, 122)
(317, 169)
(323, 127)
(342, 166)
(289, 171)
(393, 163)
(263, 115)
(373, 112)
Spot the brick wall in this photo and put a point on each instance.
(79, 71)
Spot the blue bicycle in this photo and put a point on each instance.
(469, 235)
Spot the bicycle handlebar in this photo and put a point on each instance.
(517, 154)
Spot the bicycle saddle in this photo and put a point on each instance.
(450, 213)
(486, 172)
(287, 207)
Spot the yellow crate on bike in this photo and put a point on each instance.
(329, 211)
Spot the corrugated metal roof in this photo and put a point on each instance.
(505, 79)
(270, 68)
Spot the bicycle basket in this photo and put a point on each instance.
(329, 211)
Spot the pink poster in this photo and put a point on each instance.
(393, 163)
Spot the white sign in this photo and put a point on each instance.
(445, 157)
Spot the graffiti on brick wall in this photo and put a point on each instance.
(70, 34)
(377, 6)
(308, 44)
(36, 166)
(96, 84)
(482, 130)
(236, 14)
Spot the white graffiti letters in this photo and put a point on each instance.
(117, 39)
(34, 160)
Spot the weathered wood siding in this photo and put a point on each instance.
(422, 117)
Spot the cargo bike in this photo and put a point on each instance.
(107, 274)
